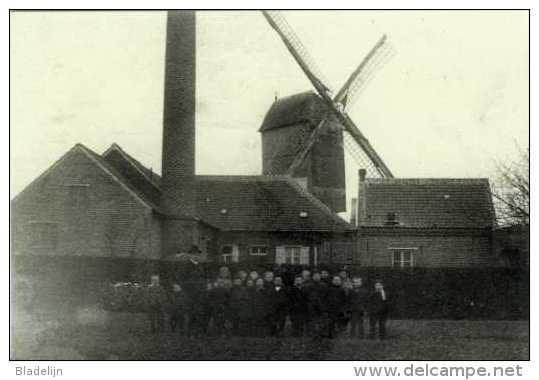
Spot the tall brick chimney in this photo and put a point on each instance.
(361, 198)
(180, 230)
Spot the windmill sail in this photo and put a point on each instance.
(344, 97)
(298, 50)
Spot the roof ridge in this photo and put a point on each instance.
(241, 178)
(116, 174)
(428, 181)
(134, 162)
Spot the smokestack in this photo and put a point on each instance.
(178, 156)
(353, 212)
(361, 198)
(362, 174)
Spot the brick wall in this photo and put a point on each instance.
(77, 209)
(448, 249)
(513, 244)
(330, 248)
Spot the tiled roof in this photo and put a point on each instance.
(262, 203)
(144, 179)
(119, 176)
(430, 203)
(246, 203)
(298, 108)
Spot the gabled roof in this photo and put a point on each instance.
(430, 203)
(244, 203)
(294, 109)
(142, 178)
(104, 165)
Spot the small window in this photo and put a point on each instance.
(391, 219)
(43, 234)
(259, 250)
(292, 255)
(403, 258)
(229, 254)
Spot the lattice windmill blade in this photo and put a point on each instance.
(341, 95)
(300, 54)
(367, 76)
(365, 145)
(298, 51)
(359, 77)
(359, 156)
(377, 57)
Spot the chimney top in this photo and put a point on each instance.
(362, 174)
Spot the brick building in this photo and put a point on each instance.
(425, 223)
(108, 205)
(112, 206)
(512, 244)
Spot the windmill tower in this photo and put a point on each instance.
(311, 146)
(179, 228)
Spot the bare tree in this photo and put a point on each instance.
(511, 190)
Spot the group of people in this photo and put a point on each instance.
(251, 304)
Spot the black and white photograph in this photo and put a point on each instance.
(269, 185)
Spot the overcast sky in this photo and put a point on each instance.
(453, 99)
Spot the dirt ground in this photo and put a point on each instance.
(93, 334)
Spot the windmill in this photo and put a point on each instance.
(354, 140)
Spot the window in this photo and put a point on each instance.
(297, 255)
(230, 254)
(43, 234)
(391, 219)
(259, 250)
(403, 257)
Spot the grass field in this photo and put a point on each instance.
(123, 336)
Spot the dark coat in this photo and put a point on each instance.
(376, 306)
(279, 300)
(297, 300)
(260, 303)
(219, 300)
(336, 301)
(179, 302)
(239, 301)
(317, 297)
(157, 296)
(358, 299)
